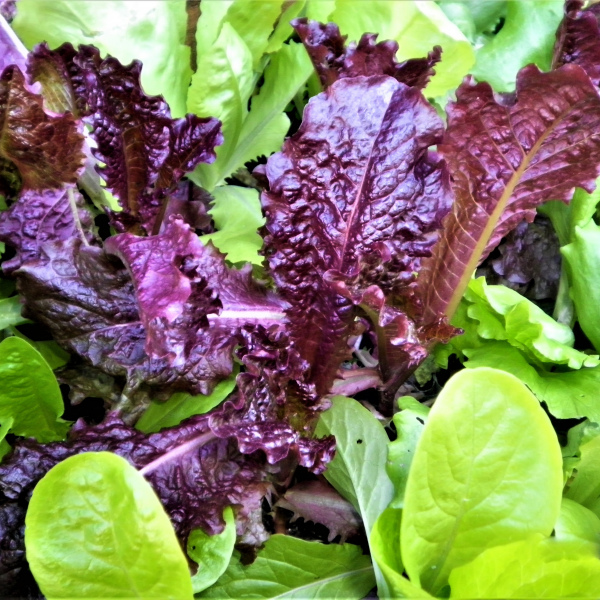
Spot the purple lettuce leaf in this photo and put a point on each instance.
(318, 501)
(507, 154)
(38, 217)
(578, 39)
(529, 260)
(334, 60)
(195, 470)
(45, 149)
(145, 152)
(355, 202)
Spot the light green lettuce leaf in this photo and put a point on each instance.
(409, 423)
(487, 469)
(10, 312)
(584, 485)
(221, 88)
(577, 436)
(288, 567)
(567, 394)
(577, 523)
(359, 464)
(182, 405)
(152, 31)
(53, 354)
(476, 19)
(417, 27)
(283, 29)
(532, 568)
(96, 529)
(237, 215)
(29, 393)
(212, 553)
(385, 551)
(254, 21)
(527, 36)
(266, 124)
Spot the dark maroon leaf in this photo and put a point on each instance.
(144, 151)
(38, 217)
(333, 60)
(45, 148)
(355, 202)
(508, 154)
(578, 39)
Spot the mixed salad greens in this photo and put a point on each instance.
(299, 299)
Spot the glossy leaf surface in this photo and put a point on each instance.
(476, 481)
(95, 529)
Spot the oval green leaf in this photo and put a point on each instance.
(211, 552)
(96, 529)
(29, 393)
(487, 471)
(532, 568)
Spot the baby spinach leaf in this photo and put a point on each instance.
(29, 393)
(152, 32)
(211, 552)
(359, 464)
(182, 405)
(577, 523)
(288, 567)
(531, 568)
(95, 529)
(237, 216)
(409, 423)
(476, 479)
(526, 37)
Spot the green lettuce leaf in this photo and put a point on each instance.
(182, 405)
(211, 552)
(288, 567)
(4, 429)
(10, 312)
(152, 31)
(487, 469)
(567, 394)
(96, 529)
(409, 423)
(577, 523)
(237, 215)
(29, 393)
(532, 568)
(526, 37)
(359, 464)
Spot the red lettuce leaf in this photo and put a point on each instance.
(12, 51)
(578, 39)
(508, 154)
(354, 204)
(45, 149)
(145, 152)
(40, 217)
(333, 60)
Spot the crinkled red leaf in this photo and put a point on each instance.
(355, 202)
(508, 154)
(578, 39)
(39, 217)
(145, 152)
(334, 60)
(45, 148)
